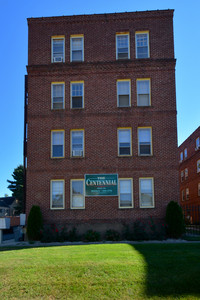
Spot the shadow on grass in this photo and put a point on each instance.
(171, 269)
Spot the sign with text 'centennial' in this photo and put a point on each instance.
(101, 185)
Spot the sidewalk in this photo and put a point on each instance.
(13, 243)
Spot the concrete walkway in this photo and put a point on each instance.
(12, 243)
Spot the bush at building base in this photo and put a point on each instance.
(34, 224)
(174, 220)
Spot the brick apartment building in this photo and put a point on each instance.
(100, 122)
(189, 174)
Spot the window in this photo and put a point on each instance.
(146, 192)
(143, 92)
(185, 153)
(187, 194)
(57, 194)
(198, 189)
(125, 193)
(124, 141)
(142, 44)
(77, 94)
(77, 52)
(57, 95)
(197, 143)
(186, 173)
(122, 46)
(77, 193)
(77, 143)
(145, 141)
(123, 93)
(181, 156)
(58, 49)
(183, 195)
(198, 166)
(57, 143)
(182, 176)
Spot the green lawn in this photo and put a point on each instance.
(104, 271)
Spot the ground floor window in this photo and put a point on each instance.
(57, 194)
(146, 187)
(125, 193)
(77, 193)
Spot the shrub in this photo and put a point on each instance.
(72, 235)
(112, 235)
(91, 236)
(34, 224)
(126, 234)
(53, 234)
(139, 231)
(174, 220)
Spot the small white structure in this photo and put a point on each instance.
(4, 224)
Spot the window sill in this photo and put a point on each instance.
(59, 208)
(147, 206)
(75, 208)
(127, 207)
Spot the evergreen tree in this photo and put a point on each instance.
(17, 188)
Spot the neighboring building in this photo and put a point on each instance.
(7, 206)
(189, 174)
(100, 99)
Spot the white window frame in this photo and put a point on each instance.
(57, 131)
(151, 143)
(136, 44)
(81, 36)
(121, 81)
(125, 179)
(139, 80)
(51, 194)
(76, 155)
(53, 59)
(140, 194)
(71, 85)
(118, 144)
(121, 34)
(52, 98)
(71, 194)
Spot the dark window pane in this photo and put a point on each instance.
(124, 101)
(57, 150)
(77, 102)
(124, 151)
(145, 149)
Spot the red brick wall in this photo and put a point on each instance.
(100, 118)
(191, 164)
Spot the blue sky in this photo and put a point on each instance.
(14, 50)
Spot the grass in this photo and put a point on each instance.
(104, 271)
